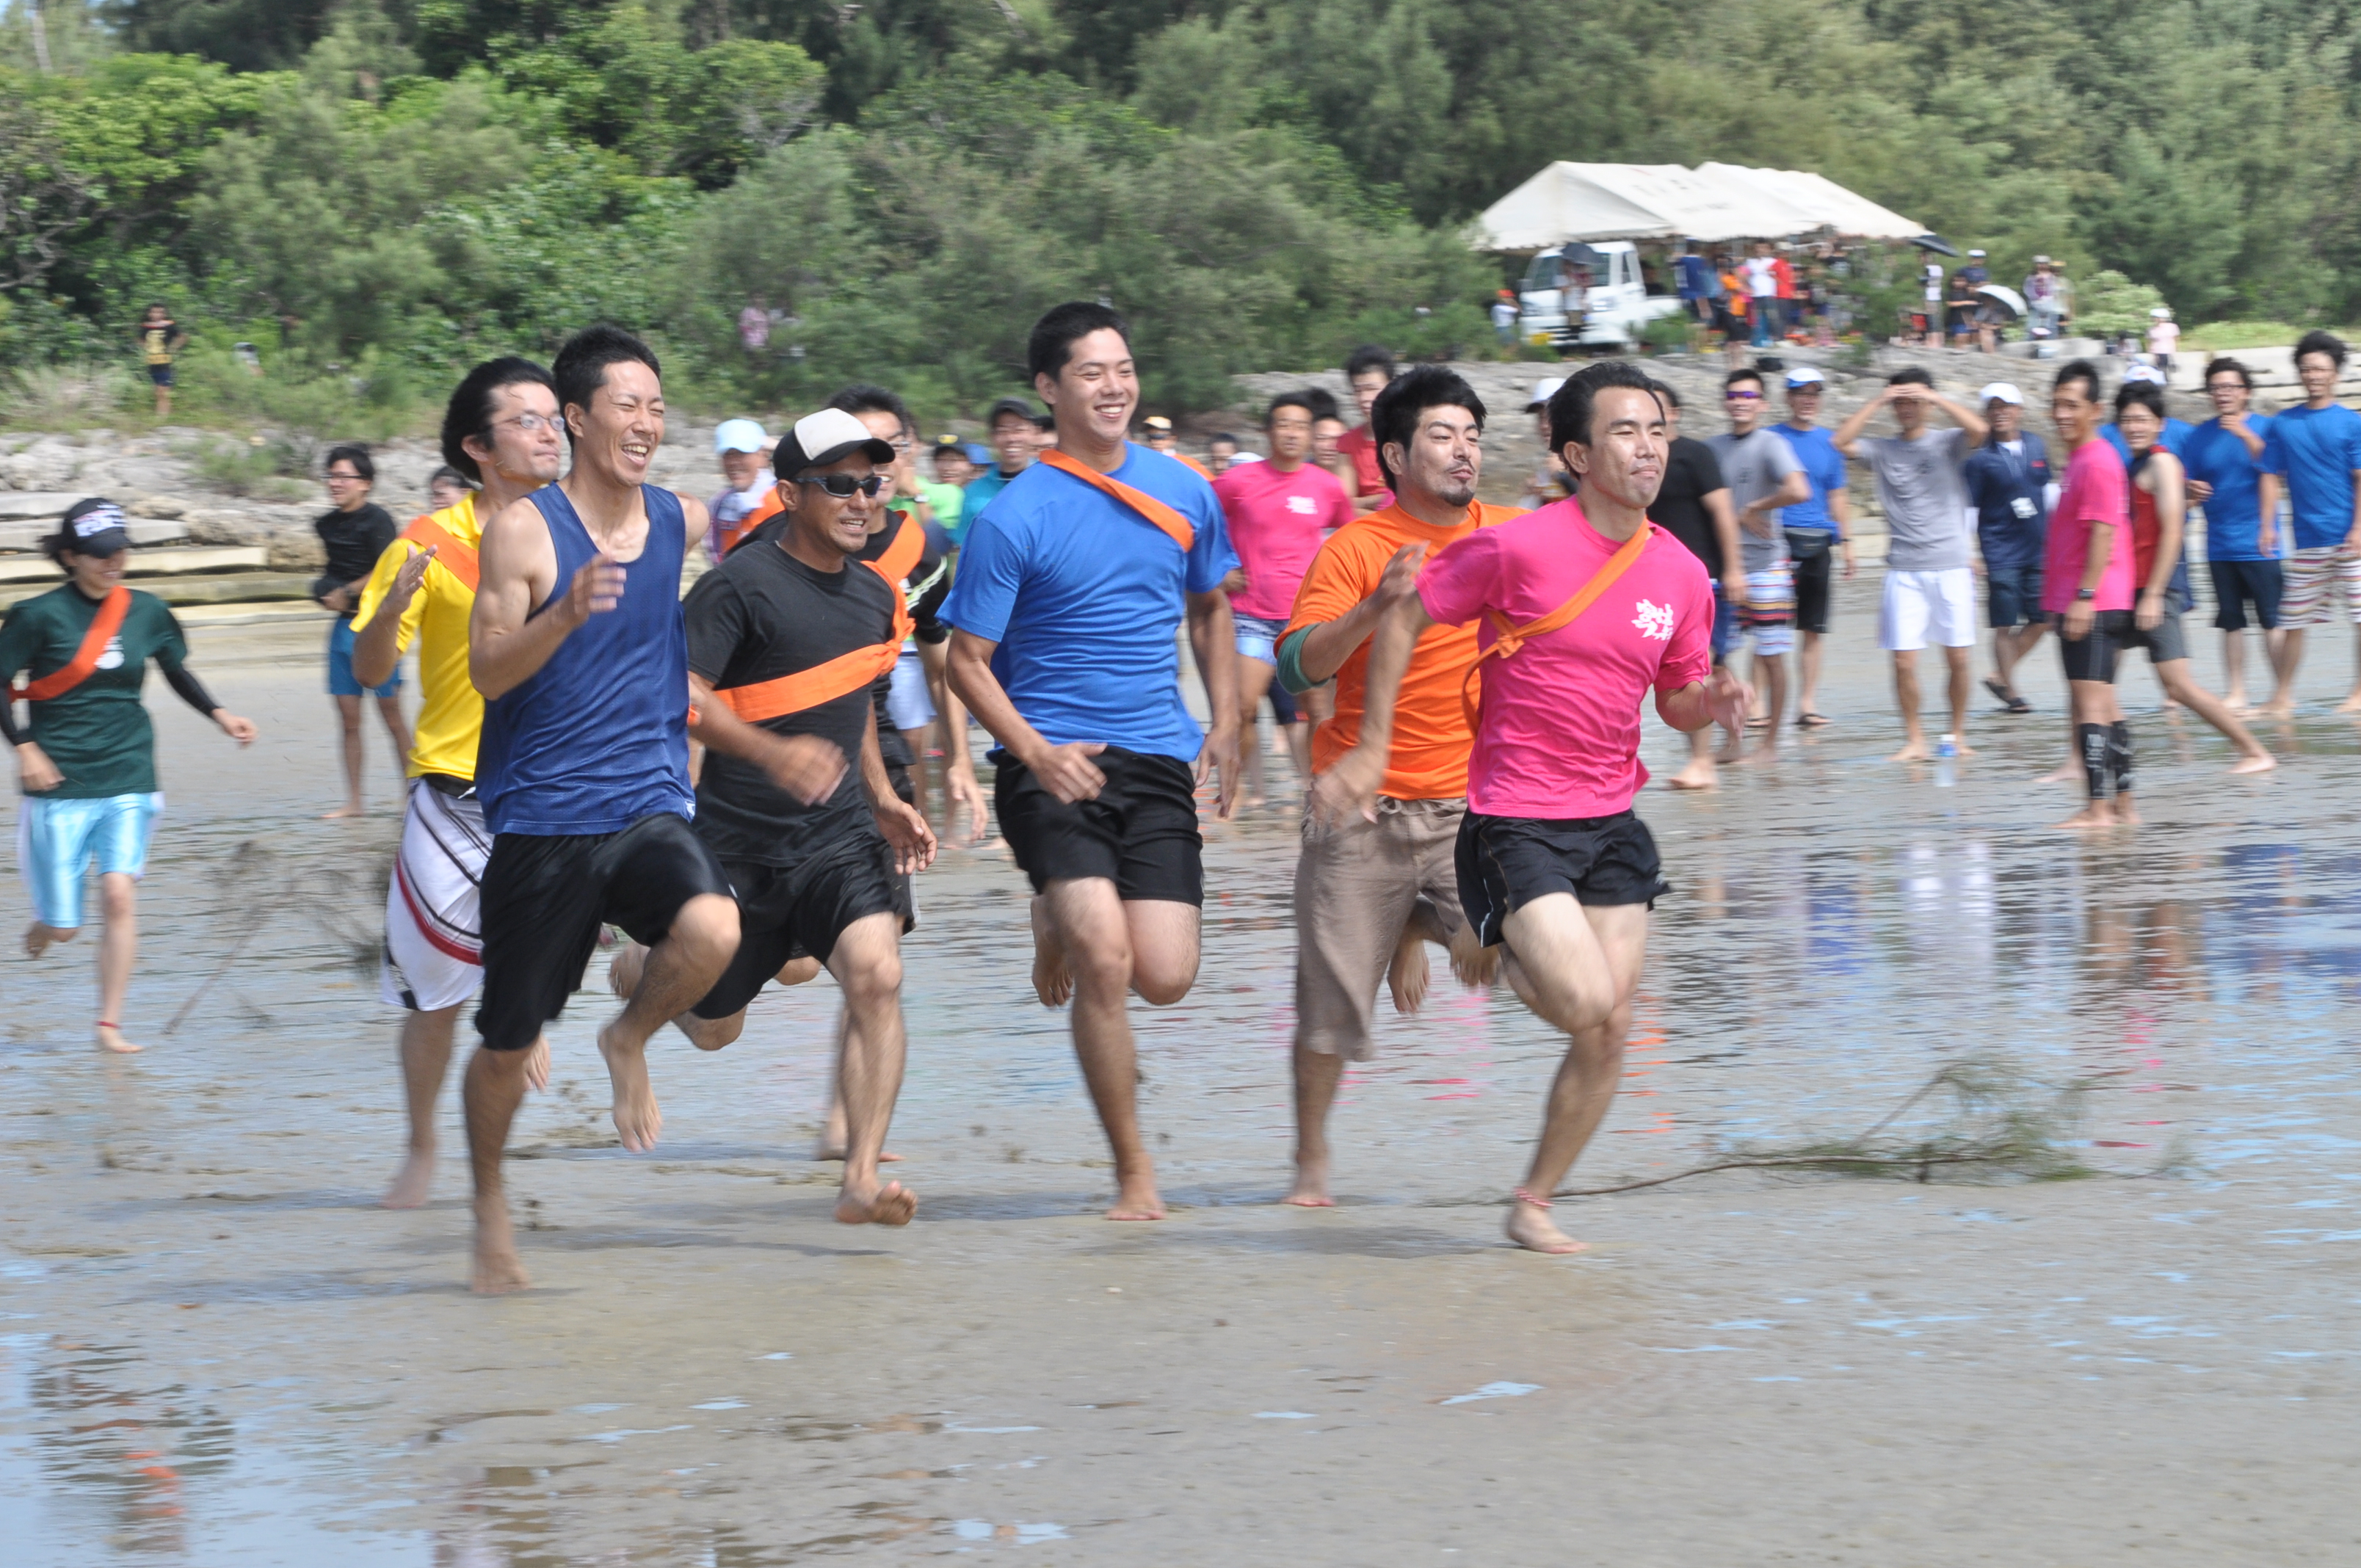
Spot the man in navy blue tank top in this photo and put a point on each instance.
(577, 644)
(1072, 588)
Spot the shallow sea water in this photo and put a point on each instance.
(215, 1349)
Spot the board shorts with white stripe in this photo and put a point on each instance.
(2319, 583)
(434, 933)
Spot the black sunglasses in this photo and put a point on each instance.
(843, 486)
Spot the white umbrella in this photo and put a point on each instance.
(2000, 294)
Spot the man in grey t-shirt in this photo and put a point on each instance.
(1929, 592)
(1764, 475)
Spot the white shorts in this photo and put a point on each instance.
(434, 932)
(1919, 608)
(907, 702)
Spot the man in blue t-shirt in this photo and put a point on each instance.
(1071, 591)
(1015, 440)
(2224, 460)
(1815, 532)
(2007, 480)
(2313, 453)
(2176, 431)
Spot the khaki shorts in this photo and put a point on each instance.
(1356, 887)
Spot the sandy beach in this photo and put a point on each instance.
(216, 1350)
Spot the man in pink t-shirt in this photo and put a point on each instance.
(1552, 862)
(1279, 513)
(2086, 590)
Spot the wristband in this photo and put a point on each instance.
(2086, 595)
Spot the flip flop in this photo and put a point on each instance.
(1758, 724)
(2018, 705)
(2000, 693)
(1813, 720)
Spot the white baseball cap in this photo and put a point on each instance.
(1974, 254)
(2161, 313)
(1806, 376)
(1543, 391)
(2144, 373)
(822, 438)
(2002, 393)
(738, 436)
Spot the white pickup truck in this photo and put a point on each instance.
(1556, 311)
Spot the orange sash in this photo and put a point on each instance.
(734, 534)
(76, 670)
(902, 556)
(459, 559)
(809, 688)
(1509, 638)
(1182, 533)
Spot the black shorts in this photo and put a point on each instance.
(2237, 584)
(1140, 833)
(1812, 553)
(788, 912)
(2164, 643)
(2093, 658)
(1506, 862)
(160, 374)
(544, 898)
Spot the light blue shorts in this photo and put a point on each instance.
(1258, 638)
(56, 840)
(342, 682)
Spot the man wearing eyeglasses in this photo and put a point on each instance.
(1763, 475)
(501, 431)
(786, 640)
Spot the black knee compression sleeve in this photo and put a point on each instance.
(2091, 740)
(2119, 755)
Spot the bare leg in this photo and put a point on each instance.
(1317, 1073)
(677, 972)
(348, 716)
(40, 938)
(1700, 773)
(867, 964)
(1576, 968)
(1807, 675)
(1053, 981)
(1254, 685)
(920, 741)
(397, 728)
(425, 1056)
(2182, 688)
(2233, 671)
(1770, 678)
(118, 947)
(1906, 697)
(2290, 660)
(1299, 751)
(2351, 703)
(491, 1091)
(1962, 671)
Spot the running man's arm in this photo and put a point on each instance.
(1349, 789)
(381, 630)
(2171, 521)
(905, 828)
(507, 643)
(804, 765)
(1067, 771)
(1215, 633)
(1327, 645)
(171, 658)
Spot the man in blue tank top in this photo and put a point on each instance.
(1072, 588)
(577, 644)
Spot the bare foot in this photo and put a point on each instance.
(1698, 775)
(110, 1038)
(537, 1063)
(2126, 813)
(40, 938)
(1962, 749)
(497, 1269)
(1311, 1188)
(2280, 707)
(1407, 975)
(1530, 1227)
(2351, 703)
(2098, 813)
(1053, 983)
(2064, 773)
(1917, 751)
(2236, 703)
(1765, 752)
(2261, 763)
(637, 1117)
(1136, 1198)
(826, 1150)
(892, 1204)
(352, 809)
(410, 1182)
(1474, 967)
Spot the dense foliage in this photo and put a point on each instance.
(902, 183)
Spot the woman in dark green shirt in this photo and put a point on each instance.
(87, 761)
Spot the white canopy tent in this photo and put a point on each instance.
(1715, 202)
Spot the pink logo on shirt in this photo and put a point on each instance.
(1654, 621)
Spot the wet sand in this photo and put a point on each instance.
(216, 1350)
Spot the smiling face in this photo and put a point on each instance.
(2072, 411)
(2007, 419)
(1803, 404)
(525, 447)
(2229, 393)
(738, 468)
(1744, 403)
(1366, 388)
(1624, 459)
(828, 527)
(95, 576)
(1444, 458)
(618, 434)
(2318, 373)
(1325, 435)
(347, 491)
(1097, 391)
(2140, 426)
(1014, 439)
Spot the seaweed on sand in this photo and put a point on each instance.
(257, 884)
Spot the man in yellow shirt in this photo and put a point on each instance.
(502, 431)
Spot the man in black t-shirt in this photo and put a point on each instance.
(1694, 507)
(355, 532)
(787, 636)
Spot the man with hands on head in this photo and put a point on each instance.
(1071, 593)
(1585, 606)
